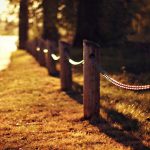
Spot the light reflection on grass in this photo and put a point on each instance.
(34, 113)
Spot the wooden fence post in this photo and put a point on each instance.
(91, 87)
(41, 57)
(38, 50)
(27, 46)
(33, 47)
(36, 47)
(65, 66)
(50, 63)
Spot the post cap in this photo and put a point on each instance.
(91, 43)
(64, 43)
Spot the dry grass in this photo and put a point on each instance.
(35, 114)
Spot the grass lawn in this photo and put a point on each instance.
(35, 114)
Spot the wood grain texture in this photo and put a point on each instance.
(41, 56)
(91, 88)
(66, 71)
(50, 63)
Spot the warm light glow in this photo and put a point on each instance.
(61, 7)
(38, 49)
(6, 49)
(35, 5)
(76, 62)
(55, 57)
(59, 15)
(3, 5)
(40, 24)
(62, 31)
(8, 12)
(45, 50)
(12, 18)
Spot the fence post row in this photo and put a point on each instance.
(66, 71)
(29, 46)
(91, 87)
(50, 63)
(41, 56)
(33, 47)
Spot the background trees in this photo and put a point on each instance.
(23, 24)
(87, 21)
(66, 17)
(106, 22)
(50, 8)
(114, 21)
(120, 26)
(35, 18)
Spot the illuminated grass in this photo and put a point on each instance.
(35, 114)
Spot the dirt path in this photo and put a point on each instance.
(35, 114)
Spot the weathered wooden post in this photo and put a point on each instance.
(36, 49)
(41, 57)
(27, 46)
(91, 87)
(65, 66)
(33, 47)
(50, 63)
(30, 47)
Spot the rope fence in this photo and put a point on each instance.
(125, 86)
(55, 57)
(44, 52)
(121, 85)
(75, 63)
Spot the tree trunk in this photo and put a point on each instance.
(87, 21)
(50, 8)
(114, 21)
(23, 24)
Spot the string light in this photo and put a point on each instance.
(55, 57)
(45, 51)
(38, 49)
(75, 62)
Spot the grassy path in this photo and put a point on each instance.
(35, 114)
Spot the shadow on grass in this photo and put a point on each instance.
(76, 93)
(120, 135)
(126, 122)
(56, 74)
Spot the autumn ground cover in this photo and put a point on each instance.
(35, 114)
